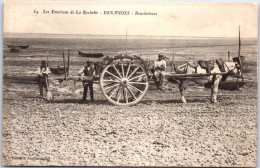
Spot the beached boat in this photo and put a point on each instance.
(58, 70)
(23, 46)
(14, 49)
(93, 55)
(10, 46)
(18, 46)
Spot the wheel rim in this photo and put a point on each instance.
(124, 82)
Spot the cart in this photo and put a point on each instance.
(124, 80)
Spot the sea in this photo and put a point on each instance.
(147, 48)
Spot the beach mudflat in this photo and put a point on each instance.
(158, 131)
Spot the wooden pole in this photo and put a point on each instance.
(239, 57)
(239, 43)
(68, 62)
(64, 63)
(47, 58)
(172, 61)
(126, 42)
(228, 55)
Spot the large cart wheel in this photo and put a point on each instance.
(124, 81)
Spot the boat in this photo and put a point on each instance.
(242, 59)
(228, 85)
(14, 49)
(93, 55)
(18, 46)
(23, 46)
(58, 70)
(10, 46)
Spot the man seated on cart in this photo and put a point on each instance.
(159, 71)
(87, 77)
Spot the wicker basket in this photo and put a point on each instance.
(86, 78)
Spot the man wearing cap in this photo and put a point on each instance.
(87, 74)
(159, 71)
(43, 72)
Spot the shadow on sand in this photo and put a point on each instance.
(200, 99)
(175, 101)
(77, 101)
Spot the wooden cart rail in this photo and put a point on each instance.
(176, 75)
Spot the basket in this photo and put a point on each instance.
(86, 78)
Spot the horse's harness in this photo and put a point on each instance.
(237, 66)
(185, 66)
(228, 71)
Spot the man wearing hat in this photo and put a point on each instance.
(43, 72)
(87, 74)
(159, 71)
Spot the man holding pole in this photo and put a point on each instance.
(43, 72)
(87, 77)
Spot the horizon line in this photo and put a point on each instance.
(124, 35)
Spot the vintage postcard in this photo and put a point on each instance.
(130, 84)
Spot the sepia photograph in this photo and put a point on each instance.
(161, 84)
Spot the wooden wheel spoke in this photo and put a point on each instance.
(117, 71)
(126, 96)
(131, 93)
(114, 85)
(138, 83)
(136, 88)
(122, 66)
(113, 75)
(114, 91)
(136, 77)
(133, 72)
(128, 68)
(119, 97)
(119, 88)
(110, 84)
(112, 81)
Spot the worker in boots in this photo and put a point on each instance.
(87, 77)
(43, 73)
(159, 71)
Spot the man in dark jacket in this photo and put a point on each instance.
(87, 74)
(43, 72)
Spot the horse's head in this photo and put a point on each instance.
(233, 68)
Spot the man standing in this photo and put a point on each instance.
(87, 74)
(159, 71)
(43, 72)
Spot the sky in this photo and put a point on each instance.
(204, 19)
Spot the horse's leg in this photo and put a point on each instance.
(214, 88)
(182, 87)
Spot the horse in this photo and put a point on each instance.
(231, 68)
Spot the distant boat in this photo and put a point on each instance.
(94, 55)
(10, 46)
(58, 70)
(242, 58)
(19, 46)
(23, 47)
(14, 49)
